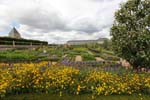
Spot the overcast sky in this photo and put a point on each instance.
(58, 21)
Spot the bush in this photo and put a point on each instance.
(9, 41)
(20, 55)
(88, 57)
(80, 50)
(110, 57)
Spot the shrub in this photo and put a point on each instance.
(88, 57)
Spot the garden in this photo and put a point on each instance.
(40, 78)
(84, 72)
(29, 74)
(24, 78)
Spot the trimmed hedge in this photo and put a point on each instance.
(88, 57)
(9, 41)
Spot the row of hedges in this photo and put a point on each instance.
(9, 41)
(80, 50)
(88, 57)
(94, 50)
(110, 57)
(21, 55)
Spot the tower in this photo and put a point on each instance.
(14, 33)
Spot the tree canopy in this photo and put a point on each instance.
(131, 32)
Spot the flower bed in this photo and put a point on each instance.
(40, 78)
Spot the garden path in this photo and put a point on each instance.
(99, 59)
(78, 58)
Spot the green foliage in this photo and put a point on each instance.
(16, 55)
(109, 57)
(20, 55)
(80, 50)
(97, 50)
(131, 32)
(108, 52)
(40, 78)
(107, 44)
(9, 41)
(88, 57)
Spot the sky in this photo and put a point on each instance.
(58, 21)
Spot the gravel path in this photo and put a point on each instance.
(78, 58)
(99, 59)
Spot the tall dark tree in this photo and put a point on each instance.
(131, 32)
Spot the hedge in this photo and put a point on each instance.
(9, 41)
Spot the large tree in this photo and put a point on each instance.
(131, 32)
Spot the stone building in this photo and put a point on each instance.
(14, 34)
(81, 42)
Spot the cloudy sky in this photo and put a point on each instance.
(58, 21)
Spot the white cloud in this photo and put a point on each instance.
(58, 20)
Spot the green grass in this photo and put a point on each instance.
(17, 54)
(21, 55)
(74, 97)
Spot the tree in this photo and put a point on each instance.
(131, 32)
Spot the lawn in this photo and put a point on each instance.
(75, 97)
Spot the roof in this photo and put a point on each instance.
(14, 33)
(81, 40)
(100, 39)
